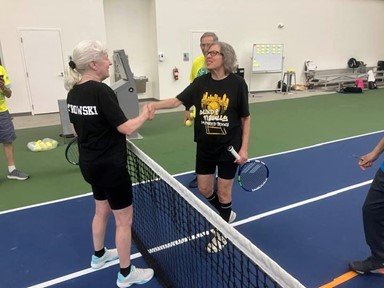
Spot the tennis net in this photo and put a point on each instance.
(172, 229)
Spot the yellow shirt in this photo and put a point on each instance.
(7, 82)
(198, 67)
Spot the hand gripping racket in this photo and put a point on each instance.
(252, 175)
(72, 152)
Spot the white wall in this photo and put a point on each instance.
(131, 26)
(77, 20)
(328, 32)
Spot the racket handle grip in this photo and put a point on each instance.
(233, 152)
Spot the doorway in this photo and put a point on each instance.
(44, 67)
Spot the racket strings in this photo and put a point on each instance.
(253, 175)
(72, 152)
(252, 168)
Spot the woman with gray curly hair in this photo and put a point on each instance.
(222, 120)
(229, 56)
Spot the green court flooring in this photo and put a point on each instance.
(276, 126)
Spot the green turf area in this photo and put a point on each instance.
(276, 126)
(51, 176)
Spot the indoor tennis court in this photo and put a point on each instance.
(313, 199)
(313, 73)
(307, 220)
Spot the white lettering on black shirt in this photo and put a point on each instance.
(82, 110)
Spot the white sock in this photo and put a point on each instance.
(11, 168)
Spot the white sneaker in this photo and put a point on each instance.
(109, 255)
(136, 276)
(232, 217)
(217, 243)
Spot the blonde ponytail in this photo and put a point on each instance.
(71, 79)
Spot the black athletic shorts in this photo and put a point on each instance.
(118, 197)
(225, 169)
(109, 183)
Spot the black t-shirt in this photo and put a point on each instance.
(220, 105)
(95, 113)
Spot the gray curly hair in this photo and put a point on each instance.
(229, 56)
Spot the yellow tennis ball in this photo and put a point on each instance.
(43, 146)
(192, 114)
(188, 123)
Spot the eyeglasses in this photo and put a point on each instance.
(205, 44)
(213, 53)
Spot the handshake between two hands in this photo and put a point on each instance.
(148, 111)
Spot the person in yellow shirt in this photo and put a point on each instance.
(198, 69)
(7, 130)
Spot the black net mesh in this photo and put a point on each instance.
(172, 235)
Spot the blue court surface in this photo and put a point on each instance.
(307, 218)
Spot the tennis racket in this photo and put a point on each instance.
(252, 175)
(72, 152)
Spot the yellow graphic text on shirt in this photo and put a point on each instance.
(213, 114)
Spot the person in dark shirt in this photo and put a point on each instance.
(101, 128)
(198, 68)
(222, 120)
(373, 216)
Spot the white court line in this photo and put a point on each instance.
(321, 144)
(301, 203)
(304, 148)
(183, 173)
(79, 273)
(177, 242)
(244, 221)
(45, 203)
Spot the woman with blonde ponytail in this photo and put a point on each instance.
(101, 127)
(72, 76)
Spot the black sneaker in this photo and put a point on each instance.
(193, 183)
(369, 265)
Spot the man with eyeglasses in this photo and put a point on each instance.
(198, 69)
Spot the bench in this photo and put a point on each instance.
(340, 77)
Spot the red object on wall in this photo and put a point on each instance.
(175, 73)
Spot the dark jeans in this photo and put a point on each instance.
(373, 216)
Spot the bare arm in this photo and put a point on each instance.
(168, 103)
(246, 123)
(367, 160)
(132, 125)
(163, 104)
(6, 91)
(379, 148)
